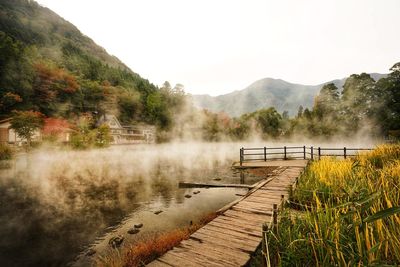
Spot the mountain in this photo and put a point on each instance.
(48, 65)
(266, 93)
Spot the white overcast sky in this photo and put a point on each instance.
(218, 46)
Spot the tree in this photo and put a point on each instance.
(300, 112)
(358, 99)
(387, 110)
(270, 121)
(8, 101)
(103, 136)
(25, 123)
(327, 102)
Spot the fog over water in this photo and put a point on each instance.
(55, 204)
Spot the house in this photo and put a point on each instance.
(127, 134)
(9, 136)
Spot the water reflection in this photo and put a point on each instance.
(54, 204)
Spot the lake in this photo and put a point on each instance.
(55, 204)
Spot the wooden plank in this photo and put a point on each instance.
(246, 216)
(232, 253)
(223, 257)
(217, 239)
(252, 231)
(158, 263)
(236, 222)
(249, 210)
(263, 207)
(232, 235)
(263, 201)
(232, 231)
(259, 210)
(201, 185)
(172, 259)
(244, 243)
(196, 259)
(256, 186)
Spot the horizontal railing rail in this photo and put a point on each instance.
(295, 152)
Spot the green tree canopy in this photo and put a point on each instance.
(25, 123)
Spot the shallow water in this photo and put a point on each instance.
(56, 204)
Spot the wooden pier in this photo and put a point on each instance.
(231, 238)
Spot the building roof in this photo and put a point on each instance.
(5, 120)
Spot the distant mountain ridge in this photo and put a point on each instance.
(264, 93)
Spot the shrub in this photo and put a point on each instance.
(5, 152)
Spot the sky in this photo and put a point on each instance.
(217, 46)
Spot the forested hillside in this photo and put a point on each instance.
(48, 65)
(362, 106)
(265, 93)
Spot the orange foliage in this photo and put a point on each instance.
(55, 126)
(50, 80)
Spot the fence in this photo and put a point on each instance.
(295, 152)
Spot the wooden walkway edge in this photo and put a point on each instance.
(231, 238)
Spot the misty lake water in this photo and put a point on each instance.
(54, 205)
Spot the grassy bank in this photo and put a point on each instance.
(148, 250)
(343, 213)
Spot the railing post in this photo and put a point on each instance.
(344, 153)
(282, 201)
(284, 152)
(312, 153)
(304, 151)
(264, 243)
(319, 152)
(265, 154)
(241, 156)
(275, 216)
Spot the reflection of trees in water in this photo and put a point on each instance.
(59, 225)
(163, 181)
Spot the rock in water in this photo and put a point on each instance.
(157, 212)
(217, 179)
(188, 196)
(133, 231)
(196, 192)
(116, 241)
(139, 225)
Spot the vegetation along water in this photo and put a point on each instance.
(342, 213)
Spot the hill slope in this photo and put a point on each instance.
(48, 65)
(266, 93)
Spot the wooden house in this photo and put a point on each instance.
(127, 134)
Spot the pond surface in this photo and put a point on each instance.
(56, 204)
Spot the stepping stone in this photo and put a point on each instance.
(116, 241)
(133, 231)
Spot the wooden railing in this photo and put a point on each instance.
(295, 152)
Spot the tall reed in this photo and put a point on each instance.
(347, 213)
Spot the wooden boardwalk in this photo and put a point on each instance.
(231, 238)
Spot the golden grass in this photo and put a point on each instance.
(342, 227)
